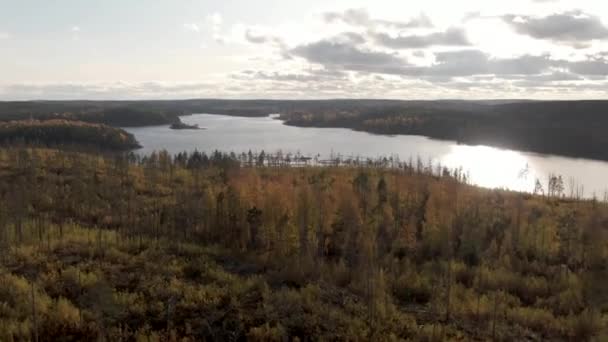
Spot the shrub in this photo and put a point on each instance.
(412, 288)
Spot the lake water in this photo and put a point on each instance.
(486, 166)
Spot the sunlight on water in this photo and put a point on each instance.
(492, 167)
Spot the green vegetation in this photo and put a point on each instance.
(210, 247)
(65, 133)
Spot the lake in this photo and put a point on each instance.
(486, 166)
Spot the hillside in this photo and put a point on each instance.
(200, 247)
(65, 133)
(568, 128)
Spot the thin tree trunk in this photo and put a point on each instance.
(479, 292)
(449, 290)
(79, 295)
(494, 319)
(34, 316)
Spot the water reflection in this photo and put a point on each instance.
(485, 166)
(492, 167)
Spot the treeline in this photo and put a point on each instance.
(569, 128)
(145, 113)
(208, 247)
(66, 134)
(130, 113)
(113, 113)
(15, 110)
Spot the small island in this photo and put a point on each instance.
(181, 125)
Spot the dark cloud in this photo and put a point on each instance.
(343, 56)
(258, 38)
(419, 53)
(593, 67)
(475, 62)
(346, 56)
(254, 38)
(541, 68)
(361, 18)
(450, 37)
(574, 28)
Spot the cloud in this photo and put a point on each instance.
(594, 67)
(373, 56)
(354, 17)
(475, 62)
(450, 37)
(256, 36)
(360, 17)
(336, 55)
(104, 91)
(316, 75)
(4, 35)
(419, 54)
(75, 32)
(350, 38)
(192, 27)
(317, 83)
(215, 20)
(344, 55)
(574, 28)
(467, 63)
(551, 76)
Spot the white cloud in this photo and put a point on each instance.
(104, 91)
(215, 20)
(361, 17)
(382, 48)
(75, 32)
(192, 27)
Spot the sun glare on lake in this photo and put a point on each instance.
(492, 167)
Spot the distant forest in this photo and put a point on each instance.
(68, 134)
(569, 128)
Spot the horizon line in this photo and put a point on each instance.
(306, 100)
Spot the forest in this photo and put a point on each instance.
(66, 133)
(224, 247)
(569, 128)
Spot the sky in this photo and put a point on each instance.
(314, 49)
